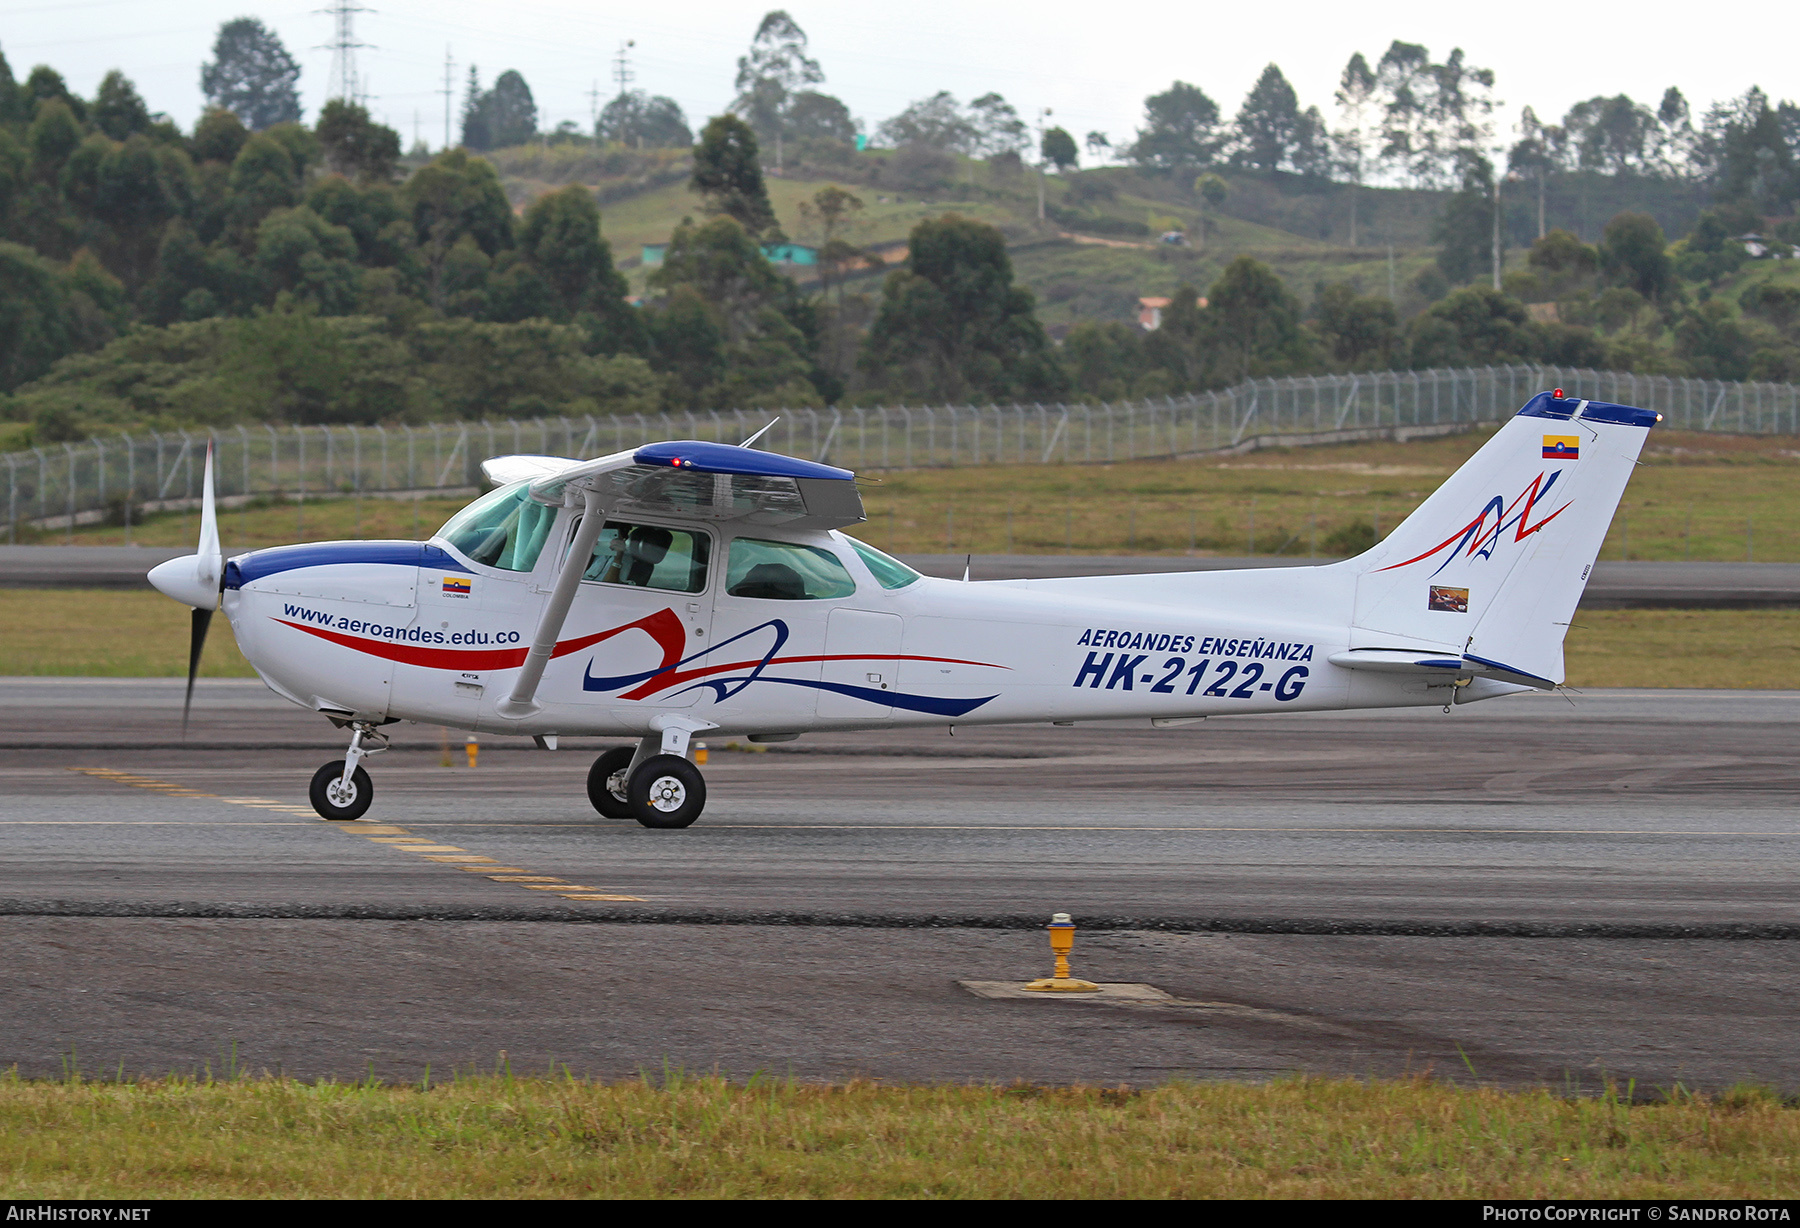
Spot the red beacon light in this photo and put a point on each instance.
(1559, 396)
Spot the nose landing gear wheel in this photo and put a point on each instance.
(606, 784)
(334, 799)
(666, 791)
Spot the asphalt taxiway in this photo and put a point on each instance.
(1552, 888)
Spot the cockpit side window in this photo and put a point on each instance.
(784, 571)
(650, 556)
(504, 528)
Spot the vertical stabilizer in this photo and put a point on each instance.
(1491, 566)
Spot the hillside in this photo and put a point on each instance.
(1090, 259)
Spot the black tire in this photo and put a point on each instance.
(324, 787)
(666, 791)
(611, 805)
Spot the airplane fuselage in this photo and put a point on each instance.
(418, 631)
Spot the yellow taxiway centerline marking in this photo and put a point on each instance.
(390, 835)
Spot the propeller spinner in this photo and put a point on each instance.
(195, 579)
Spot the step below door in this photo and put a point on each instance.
(861, 664)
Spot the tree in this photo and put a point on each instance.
(1431, 113)
(728, 175)
(218, 136)
(763, 356)
(1180, 129)
(1613, 136)
(775, 69)
(34, 310)
(119, 110)
(815, 118)
(510, 111)
(1099, 148)
(252, 74)
(1359, 332)
(1355, 99)
(952, 324)
(936, 122)
(456, 199)
(1104, 360)
(1267, 125)
(560, 234)
(1254, 323)
(1475, 326)
(638, 121)
(997, 127)
(1533, 156)
(355, 146)
(1212, 191)
(1634, 253)
(1058, 149)
(1464, 231)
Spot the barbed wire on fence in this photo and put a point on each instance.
(122, 476)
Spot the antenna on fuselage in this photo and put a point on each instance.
(968, 561)
(761, 433)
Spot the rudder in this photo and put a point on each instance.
(1492, 564)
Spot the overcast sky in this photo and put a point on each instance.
(1094, 74)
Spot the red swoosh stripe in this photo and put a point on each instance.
(448, 658)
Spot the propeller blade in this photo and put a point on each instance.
(196, 644)
(212, 563)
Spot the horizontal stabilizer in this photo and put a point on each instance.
(1435, 665)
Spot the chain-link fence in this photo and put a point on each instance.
(122, 476)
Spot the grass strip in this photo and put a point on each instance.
(503, 1137)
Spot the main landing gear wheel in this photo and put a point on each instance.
(606, 783)
(334, 799)
(666, 791)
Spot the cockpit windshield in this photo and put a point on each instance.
(504, 528)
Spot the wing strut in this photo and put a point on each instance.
(523, 702)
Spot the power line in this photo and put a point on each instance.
(446, 92)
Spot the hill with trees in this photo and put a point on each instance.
(258, 268)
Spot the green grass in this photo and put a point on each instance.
(503, 1137)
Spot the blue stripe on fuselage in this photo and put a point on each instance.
(260, 563)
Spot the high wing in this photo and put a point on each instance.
(683, 477)
(690, 477)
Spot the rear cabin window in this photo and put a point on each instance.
(650, 556)
(504, 528)
(783, 571)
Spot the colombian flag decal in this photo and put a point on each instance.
(460, 588)
(1562, 447)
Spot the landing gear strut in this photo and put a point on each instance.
(341, 790)
(652, 782)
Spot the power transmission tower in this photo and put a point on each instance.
(343, 46)
(622, 65)
(622, 77)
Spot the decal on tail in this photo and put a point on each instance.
(1492, 565)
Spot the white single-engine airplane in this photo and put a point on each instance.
(692, 588)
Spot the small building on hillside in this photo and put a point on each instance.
(1150, 311)
(775, 253)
